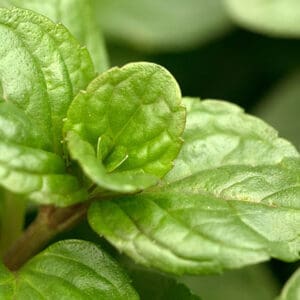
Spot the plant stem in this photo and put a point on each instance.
(13, 209)
(49, 222)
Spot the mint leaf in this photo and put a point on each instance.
(278, 18)
(281, 107)
(71, 269)
(42, 67)
(149, 25)
(78, 17)
(125, 129)
(291, 290)
(218, 133)
(27, 169)
(218, 213)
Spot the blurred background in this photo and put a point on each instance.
(246, 52)
(243, 51)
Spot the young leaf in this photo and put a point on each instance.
(42, 67)
(278, 18)
(125, 129)
(224, 212)
(71, 269)
(78, 17)
(149, 25)
(27, 169)
(291, 290)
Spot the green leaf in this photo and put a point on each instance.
(71, 269)
(151, 285)
(278, 18)
(27, 169)
(291, 290)
(78, 17)
(225, 212)
(149, 25)
(281, 108)
(218, 133)
(7, 284)
(42, 67)
(125, 129)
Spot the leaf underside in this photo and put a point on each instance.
(231, 200)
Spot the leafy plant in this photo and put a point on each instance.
(179, 185)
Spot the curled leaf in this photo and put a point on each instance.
(125, 130)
